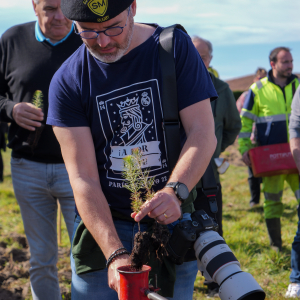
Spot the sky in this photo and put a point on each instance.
(243, 32)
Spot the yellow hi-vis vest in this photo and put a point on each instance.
(269, 106)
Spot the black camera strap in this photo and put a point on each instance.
(171, 123)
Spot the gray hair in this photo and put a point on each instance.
(197, 39)
(36, 1)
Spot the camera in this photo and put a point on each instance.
(214, 258)
(185, 234)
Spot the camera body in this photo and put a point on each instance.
(186, 233)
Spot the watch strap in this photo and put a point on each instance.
(171, 184)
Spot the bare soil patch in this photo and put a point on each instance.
(14, 269)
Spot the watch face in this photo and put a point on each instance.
(182, 191)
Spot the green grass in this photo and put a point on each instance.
(244, 230)
(246, 234)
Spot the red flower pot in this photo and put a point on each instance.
(133, 283)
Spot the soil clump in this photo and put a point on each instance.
(147, 242)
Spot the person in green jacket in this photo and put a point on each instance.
(268, 104)
(227, 128)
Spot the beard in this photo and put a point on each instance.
(284, 74)
(120, 51)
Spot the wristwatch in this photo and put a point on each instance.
(180, 189)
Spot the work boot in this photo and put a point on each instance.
(274, 230)
(254, 186)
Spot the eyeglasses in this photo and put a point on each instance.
(112, 31)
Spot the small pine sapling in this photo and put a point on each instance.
(37, 99)
(140, 184)
(34, 136)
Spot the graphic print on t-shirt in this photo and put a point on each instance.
(128, 121)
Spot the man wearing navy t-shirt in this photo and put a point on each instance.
(104, 102)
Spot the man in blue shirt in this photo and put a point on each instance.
(104, 102)
(29, 56)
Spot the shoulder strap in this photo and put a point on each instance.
(169, 95)
(210, 188)
(171, 122)
(294, 88)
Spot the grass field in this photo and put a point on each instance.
(244, 231)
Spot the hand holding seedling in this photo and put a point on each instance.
(164, 203)
(29, 115)
(163, 206)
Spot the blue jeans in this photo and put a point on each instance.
(295, 255)
(94, 286)
(37, 187)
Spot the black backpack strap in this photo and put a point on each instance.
(294, 88)
(210, 188)
(171, 122)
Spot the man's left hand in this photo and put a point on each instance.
(164, 207)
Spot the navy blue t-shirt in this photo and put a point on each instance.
(121, 103)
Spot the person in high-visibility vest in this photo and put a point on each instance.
(254, 182)
(268, 104)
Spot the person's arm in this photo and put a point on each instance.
(79, 156)
(232, 121)
(195, 156)
(24, 114)
(248, 116)
(295, 149)
(294, 129)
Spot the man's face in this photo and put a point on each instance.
(284, 65)
(203, 50)
(53, 23)
(110, 49)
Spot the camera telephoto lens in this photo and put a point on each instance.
(217, 263)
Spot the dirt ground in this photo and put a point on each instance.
(14, 269)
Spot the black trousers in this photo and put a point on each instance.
(201, 202)
(254, 186)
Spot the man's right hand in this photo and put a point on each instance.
(26, 115)
(113, 274)
(246, 159)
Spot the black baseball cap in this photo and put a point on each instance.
(96, 11)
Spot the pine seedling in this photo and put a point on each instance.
(34, 136)
(137, 180)
(147, 184)
(131, 174)
(140, 184)
(37, 99)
